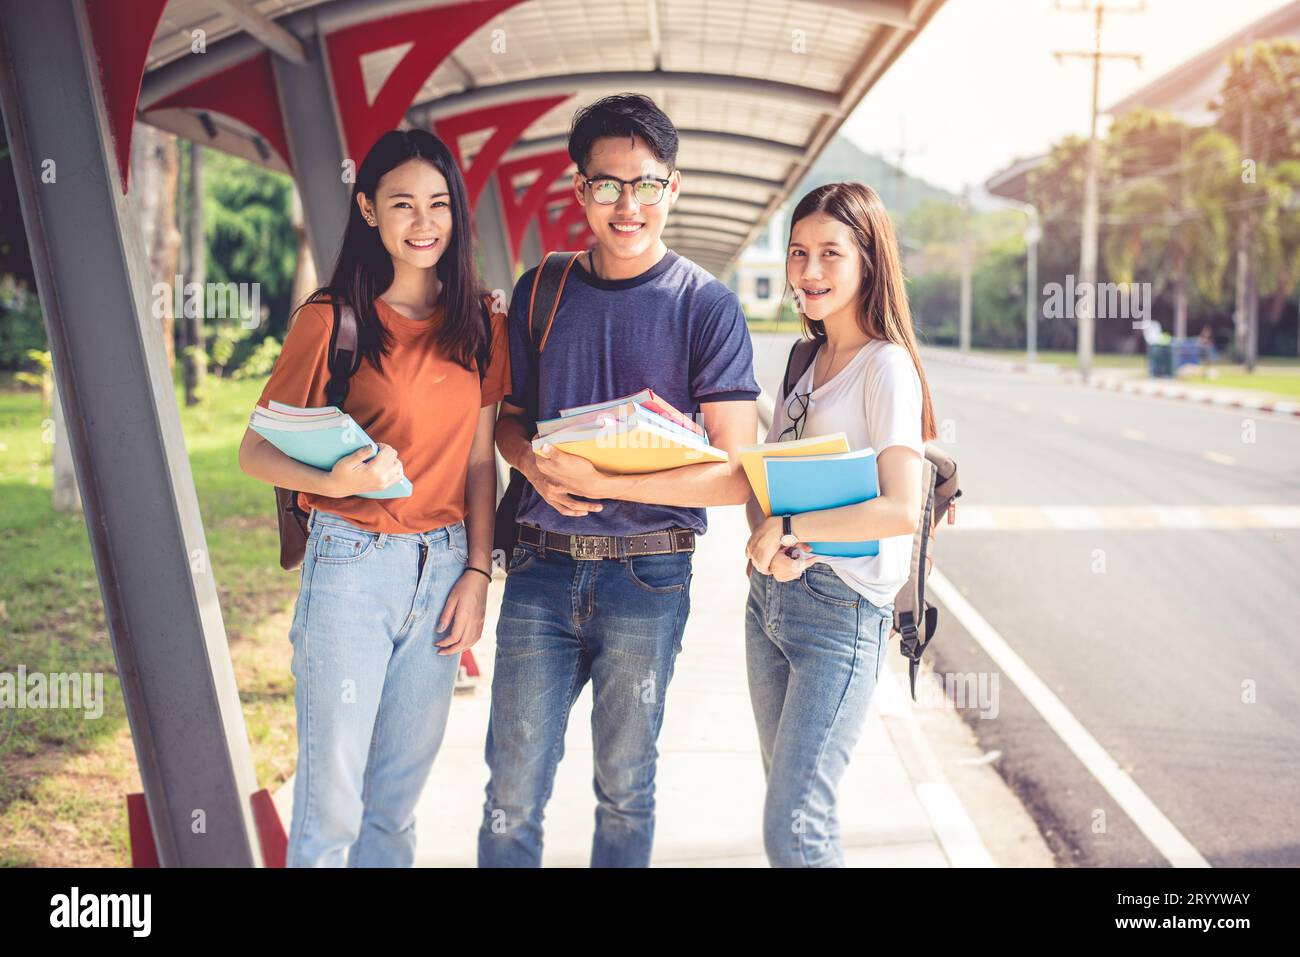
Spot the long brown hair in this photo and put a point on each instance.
(883, 312)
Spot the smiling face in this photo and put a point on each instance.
(626, 230)
(823, 266)
(412, 210)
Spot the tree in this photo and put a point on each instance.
(194, 342)
(1259, 104)
(1056, 189)
(248, 218)
(154, 170)
(1170, 208)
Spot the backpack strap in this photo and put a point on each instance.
(801, 357)
(345, 358)
(544, 300)
(543, 303)
(484, 354)
(914, 618)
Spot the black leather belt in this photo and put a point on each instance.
(584, 547)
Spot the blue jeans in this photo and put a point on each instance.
(813, 650)
(564, 621)
(373, 693)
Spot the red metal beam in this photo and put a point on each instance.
(519, 210)
(244, 92)
(436, 33)
(122, 34)
(507, 122)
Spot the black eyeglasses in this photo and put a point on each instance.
(799, 402)
(648, 190)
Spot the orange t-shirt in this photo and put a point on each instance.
(424, 404)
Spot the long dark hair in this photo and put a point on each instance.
(883, 310)
(364, 268)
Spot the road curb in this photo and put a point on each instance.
(1113, 384)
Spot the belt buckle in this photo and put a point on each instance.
(585, 547)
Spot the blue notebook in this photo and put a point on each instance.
(810, 483)
(319, 438)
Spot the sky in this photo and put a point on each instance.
(980, 87)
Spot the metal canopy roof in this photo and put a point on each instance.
(756, 87)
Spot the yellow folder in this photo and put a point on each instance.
(638, 448)
(751, 457)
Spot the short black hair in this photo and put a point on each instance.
(623, 114)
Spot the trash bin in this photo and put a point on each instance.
(1160, 356)
(1187, 352)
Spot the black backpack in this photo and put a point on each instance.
(543, 302)
(344, 360)
(915, 619)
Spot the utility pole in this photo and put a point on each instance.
(963, 327)
(900, 178)
(1033, 233)
(1180, 225)
(1245, 313)
(1088, 242)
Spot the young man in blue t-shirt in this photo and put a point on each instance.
(633, 315)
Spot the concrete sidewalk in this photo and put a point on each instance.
(897, 807)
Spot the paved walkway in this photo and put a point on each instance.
(897, 808)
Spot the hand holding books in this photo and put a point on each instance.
(328, 439)
(809, 475)
(560, 477)
(358, 473)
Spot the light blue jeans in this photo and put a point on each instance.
(813, 650)
(373, 693)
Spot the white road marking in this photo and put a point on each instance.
(1074, 517)
(1019, 518)
(1277, 516)
(1150, 820)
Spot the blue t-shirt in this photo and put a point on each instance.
(674, 329)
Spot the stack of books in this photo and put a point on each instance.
(809, 475)
(637, 433)
(318, 437)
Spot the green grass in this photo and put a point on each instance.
(1280, 384)
(52, 620)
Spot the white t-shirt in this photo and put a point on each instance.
(875, 400)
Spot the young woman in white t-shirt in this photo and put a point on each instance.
(817, 628)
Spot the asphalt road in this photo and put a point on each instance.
(1124, 547)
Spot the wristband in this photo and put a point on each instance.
(486, 575)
